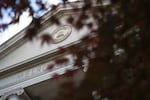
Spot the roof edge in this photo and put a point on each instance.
(18, 39)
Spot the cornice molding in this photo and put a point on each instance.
(29, 63)
(28, 66)
(17, 92)
(18, 39)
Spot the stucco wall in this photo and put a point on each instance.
(34, 48)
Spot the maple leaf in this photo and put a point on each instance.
(61, 50)
(61, 61)
(31, 12)
(51, 66)
(41, 5)
(31, 32)
(37, 22)
(46, 38)
(70, 20)
(90, 25)
(56, 76)
(75, 9)
(15, 20)
(55, 20)
(93, 41)
(79, 24)
(64, 1)
(83, 16)
(78, 63)
(3, 26)
(86, 5)
(79, 60)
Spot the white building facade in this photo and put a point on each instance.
(25, 63)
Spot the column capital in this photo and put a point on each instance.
(18, 92)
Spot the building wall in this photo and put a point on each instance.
(34, 48)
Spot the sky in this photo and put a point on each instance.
(15, 28)
(25, 20)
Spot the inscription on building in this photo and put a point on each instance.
(29, 74)
(22, 76)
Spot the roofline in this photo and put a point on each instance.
(19, 39)
(31, 62)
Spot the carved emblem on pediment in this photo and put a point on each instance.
(61, 33)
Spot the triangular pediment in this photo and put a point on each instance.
(18, 50)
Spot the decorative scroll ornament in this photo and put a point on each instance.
(61, 33)
(17, 92)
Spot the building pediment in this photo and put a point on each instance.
(18, 49)
(24, 63)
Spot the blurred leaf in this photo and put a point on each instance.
(70, 20)
(61, 61)
(53, 7)
(79, 59)
(93, 41)
(55, 20)
(90, 25)
(87, 5)
(55, 76)
(83, 17)
(51, 66)
(31, 33)
(78, 25)
(65, 1)
(61, 50)
(15, 20)
(46, 38)
(4, 26)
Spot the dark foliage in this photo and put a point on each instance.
(46, 38)
(120, 69)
